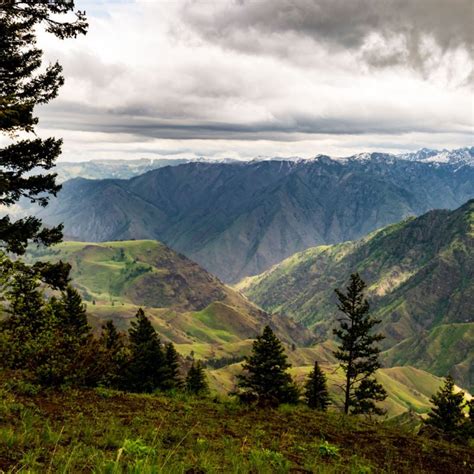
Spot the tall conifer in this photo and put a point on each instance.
(146, 369)
(196, 382)
(316, 391)
(172, 377)
(265, 375)
(357, 352)
(447, 414)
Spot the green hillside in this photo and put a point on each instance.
(188, 305)
(420, 276)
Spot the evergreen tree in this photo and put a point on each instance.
(25, 83)
(447, 415)
(48, 340)
(357, 352)
(72, 313)
(173, 378)
(316, 391)
(265, 376)
(114, 355)
(196, 382)
(146, 371)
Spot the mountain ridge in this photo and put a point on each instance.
(420, 276)
(240, 219)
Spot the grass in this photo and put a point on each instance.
(102, 431)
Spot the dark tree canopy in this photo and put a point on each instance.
(146, 371)
(316, 390)
(265, 375)
(447, 414)
(24, 84)
(113, 356)
(196, 382)
(357, 352)
(47, 339)
(173, 378)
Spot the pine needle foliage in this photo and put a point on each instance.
(196, 382)
(146, 369)
(447, 415)
(357, 351)
(316, 390)
(265, 376)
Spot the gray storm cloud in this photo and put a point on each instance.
(266, 76)
(386, 32)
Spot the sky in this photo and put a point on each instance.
(247, 78)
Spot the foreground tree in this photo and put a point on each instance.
(72, 313)
(265, 377)
(316, 391)
(173, 378)
(196, 382)
(146, 370)
(24, 84)
(357, 352)
(48, 341)
(447, 415)
(113, 356)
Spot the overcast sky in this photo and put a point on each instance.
(243, 78)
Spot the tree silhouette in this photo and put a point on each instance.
(265, 375)
(447, 415)
(24, 84)
(316, 391)
(357, 352)
(172, 376)
(196, 382)
(146, 371)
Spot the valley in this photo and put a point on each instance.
(208, 320)
(238, 219)
(420, 284)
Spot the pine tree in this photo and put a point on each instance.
(146, 371)
(265, 376)
(73, 314)
(25, 83)
(316, 391)
(196, 382)
(447, 415)
(357, 352)
(173, 379)
(113, 354)
(45, 339)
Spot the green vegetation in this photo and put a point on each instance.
(357, 353)
(27, 82)
(447, 417)
(105, 431)
(196, 382)
(420, 281)
(316, 392)
(265, 379)
(221, 334)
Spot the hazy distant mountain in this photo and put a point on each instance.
(238, 219)
(125, 169)
(420, 276)
(106, 169)
(461, 156)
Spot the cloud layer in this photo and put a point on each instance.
(274, 77)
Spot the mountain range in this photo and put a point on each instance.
(125, 169)
(240, 218)
(420, 277)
